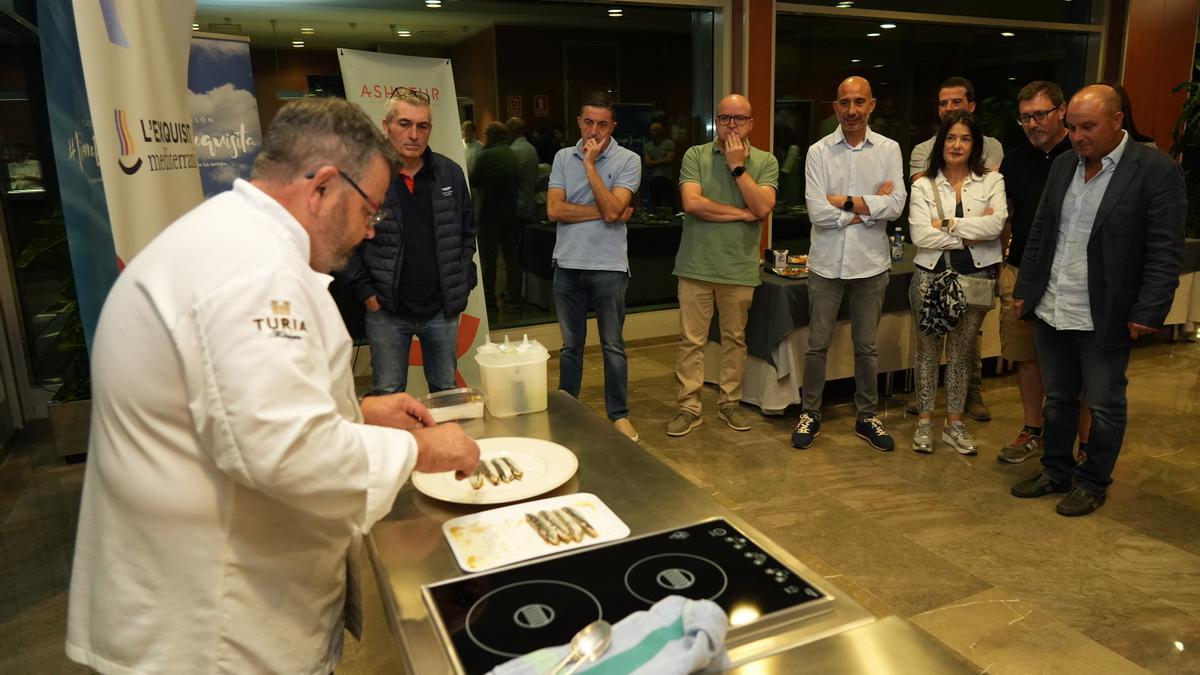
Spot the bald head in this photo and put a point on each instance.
(1094, 121)
(853, 107)
(1097, 95)
(854, 84)
(738, 117)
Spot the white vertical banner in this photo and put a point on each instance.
(135, 67)
(370, 78)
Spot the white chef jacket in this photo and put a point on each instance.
(229, 473)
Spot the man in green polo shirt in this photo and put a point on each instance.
(727, 188)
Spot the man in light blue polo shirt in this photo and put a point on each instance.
(591, 186)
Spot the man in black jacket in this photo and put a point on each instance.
(1100, 269)
(415, 274)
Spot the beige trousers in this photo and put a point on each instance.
(696, 302)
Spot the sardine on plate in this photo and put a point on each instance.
(512, 468)
(543, 530)
(501, 470)
(566, 533)
(587, 527)
(477, 477)
(489, 473)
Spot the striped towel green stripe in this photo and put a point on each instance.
(641, 653)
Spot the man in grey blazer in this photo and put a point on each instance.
(1099, 271)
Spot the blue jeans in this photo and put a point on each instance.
(575, 292)
(1072, 362)
(391, 338)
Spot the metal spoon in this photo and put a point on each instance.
(588, 645)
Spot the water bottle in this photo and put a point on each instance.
(897, 245)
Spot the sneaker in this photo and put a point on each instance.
(957, 436)
(624, 426)
(808, 427)
(1038, 486)
(1024, 446)
(732, 415)
(683, 423)
(976, 408)
(912, 406)
(1079, 502)
(870, 429)
(923, 437)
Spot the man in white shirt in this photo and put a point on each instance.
(957, 93)
(854, 185)
(231, 471)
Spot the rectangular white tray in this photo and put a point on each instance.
(498, 537)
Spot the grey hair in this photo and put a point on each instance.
(313, 132)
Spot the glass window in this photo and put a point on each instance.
(1060, 11)
(535, 60)
(905, 65)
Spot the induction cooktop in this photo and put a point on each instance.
(487, 619)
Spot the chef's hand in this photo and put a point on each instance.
(399, 411)
(372, 304)
(446, 447)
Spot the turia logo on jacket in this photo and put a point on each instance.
(280, 323)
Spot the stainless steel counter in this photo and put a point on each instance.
(407, 550)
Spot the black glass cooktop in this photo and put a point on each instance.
(493, 617)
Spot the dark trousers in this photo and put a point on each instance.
(575, 292)
(1072, 362)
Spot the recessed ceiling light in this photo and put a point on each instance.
(855, 60)
(1008, 34)
(844, 4)
(873, 34)
(297, 43)
(433, 4)
(1011, 79)
(403, 33)
(306, 30)
(887, 26)
(195, 26)
(878, 65)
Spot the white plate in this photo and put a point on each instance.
(545, 466)
(499, 537)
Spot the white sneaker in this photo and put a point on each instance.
(624, 426)
(923, 437)
(956, 435)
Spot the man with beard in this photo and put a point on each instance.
(231, 471)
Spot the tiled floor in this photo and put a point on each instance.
(936, 539)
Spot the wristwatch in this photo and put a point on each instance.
(945, 224)
(849, 204)
(737, 171)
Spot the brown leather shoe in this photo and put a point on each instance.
(1038, 486)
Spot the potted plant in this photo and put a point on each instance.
(1185, 145)
(70, 407)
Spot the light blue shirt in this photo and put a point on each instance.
(1066, 304)
(593, 244)
(839, 249)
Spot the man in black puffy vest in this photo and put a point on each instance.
(415, 274)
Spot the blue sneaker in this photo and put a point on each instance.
(808, 427)
(870, 429)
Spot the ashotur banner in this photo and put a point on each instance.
(135, 59)
(369, 78)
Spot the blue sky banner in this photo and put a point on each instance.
(89, 234)
(224, 110)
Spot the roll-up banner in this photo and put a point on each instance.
(369, 78)
(135, 73)
(77, 163)
(224, 110)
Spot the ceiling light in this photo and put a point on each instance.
(887, 26)
(873, 34)
(306, 30)
(878, 65)
(845, 4)
(616, 11)
(403, 33)
(433, 4)
(195, 26)
(1011, 79)
(1007, 34)
(855, 60)
(297, 43)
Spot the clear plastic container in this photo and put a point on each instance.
(514, 376)
(454, 404)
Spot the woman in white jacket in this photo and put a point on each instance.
(967, 240)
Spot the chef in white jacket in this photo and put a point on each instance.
(231, 471)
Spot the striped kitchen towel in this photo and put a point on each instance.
(674, 637)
